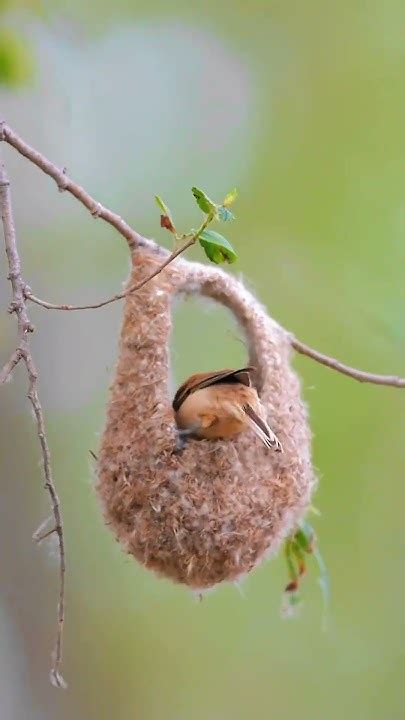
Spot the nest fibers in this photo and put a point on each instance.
(213, 512)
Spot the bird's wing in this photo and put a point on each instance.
(262, 430)
(203, 380)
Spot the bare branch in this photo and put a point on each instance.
(23, 351)
(65, 183)
(39, 538)
(97, 210)
(8, 368)
(354, 373)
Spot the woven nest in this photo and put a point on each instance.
(213, 512)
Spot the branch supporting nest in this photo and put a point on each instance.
(21, 294)
(360, 375)
(135, 240)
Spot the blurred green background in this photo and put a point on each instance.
(302, 106)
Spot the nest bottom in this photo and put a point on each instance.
(208, 515)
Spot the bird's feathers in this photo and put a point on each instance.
(262, 430)
(203, 380)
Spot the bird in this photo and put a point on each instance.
(221, 404)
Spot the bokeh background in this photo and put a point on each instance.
(302, 106)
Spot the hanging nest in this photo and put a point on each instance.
(213, 512)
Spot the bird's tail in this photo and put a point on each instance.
(262, 430)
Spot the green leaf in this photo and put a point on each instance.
(203, 201)
(230, 197)
(305, 537)
(216, 247)
(163, 207)
(166, 220)
(224, 214)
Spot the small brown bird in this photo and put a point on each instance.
(220, 405)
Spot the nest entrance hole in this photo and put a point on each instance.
(205, 336)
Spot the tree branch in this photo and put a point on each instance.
(8, 368)
(23, 351)
(65, 183)
(135, 240)
(354, 373)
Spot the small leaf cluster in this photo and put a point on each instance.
(216, 247)
(298, 545)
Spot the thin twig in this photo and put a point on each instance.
(39, 538)
(118, 296)
(9, 366)
(23, 351)
(41, 529)
(360, 375)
